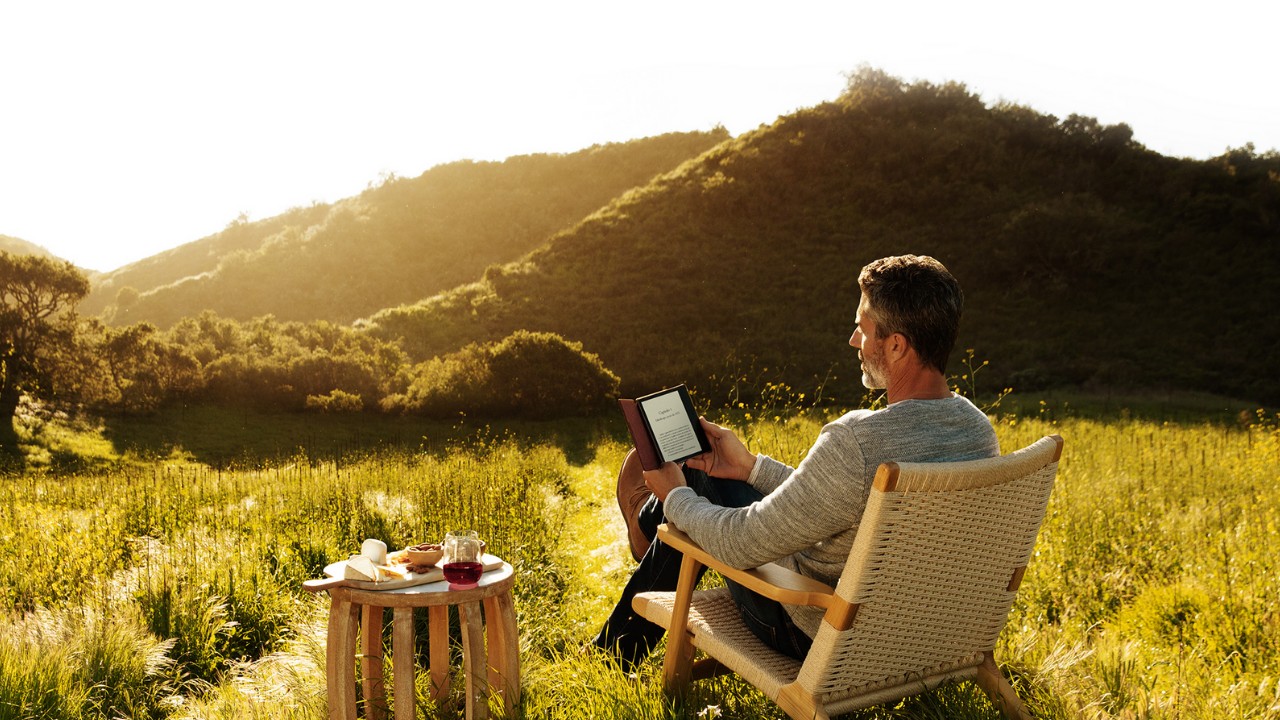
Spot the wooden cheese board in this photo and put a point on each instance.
(400, 577)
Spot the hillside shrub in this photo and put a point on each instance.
(335, 402)
(288, 366)
(531, 375)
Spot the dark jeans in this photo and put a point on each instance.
(631, 637)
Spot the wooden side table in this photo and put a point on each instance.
(484, 611)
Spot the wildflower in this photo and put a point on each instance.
(709, 712)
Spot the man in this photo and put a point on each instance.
(749, 509)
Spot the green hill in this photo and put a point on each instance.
(1088, 260)
(129, 293)
(401, 241)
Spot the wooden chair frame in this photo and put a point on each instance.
(905, 495)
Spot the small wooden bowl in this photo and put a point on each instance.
(425, 554)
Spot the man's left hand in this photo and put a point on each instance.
(664, 479)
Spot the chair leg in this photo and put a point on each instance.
(679, 658)
(800, 705)
(1000, 691)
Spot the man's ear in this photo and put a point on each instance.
(897, 347)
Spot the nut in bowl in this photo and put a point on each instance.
(425, 553)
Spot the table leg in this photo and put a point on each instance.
(402, 662)
(439, 658)
(371, 678)
(504, 649)
(340, 660)
(474, 662)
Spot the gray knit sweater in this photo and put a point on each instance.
(809, 515)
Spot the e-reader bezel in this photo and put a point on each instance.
(699, 434)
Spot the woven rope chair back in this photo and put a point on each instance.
(934, 570)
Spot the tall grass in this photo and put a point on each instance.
(172, 590)
(80, 663)
(1156, 586)
(211, 562)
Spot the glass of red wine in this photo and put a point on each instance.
(462, 566)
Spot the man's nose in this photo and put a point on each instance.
(855, 340)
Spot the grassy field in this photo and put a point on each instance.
(156, 576)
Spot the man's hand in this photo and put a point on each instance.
(664, 479)
(728, 459)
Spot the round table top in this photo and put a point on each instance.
(492, 582)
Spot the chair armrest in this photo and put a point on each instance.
(770, 580)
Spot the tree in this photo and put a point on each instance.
(38, 313)
(535, 375)
(137, 371)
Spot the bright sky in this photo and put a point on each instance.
(127, 128)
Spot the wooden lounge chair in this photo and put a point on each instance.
(938, 557)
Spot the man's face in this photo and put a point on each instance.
(875, 374)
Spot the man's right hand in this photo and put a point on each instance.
(728, 459)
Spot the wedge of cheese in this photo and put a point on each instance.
(360, 567)
(394, 572)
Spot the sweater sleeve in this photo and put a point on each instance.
(767, 474)
(819, 499)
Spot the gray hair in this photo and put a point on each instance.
(916, 296)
